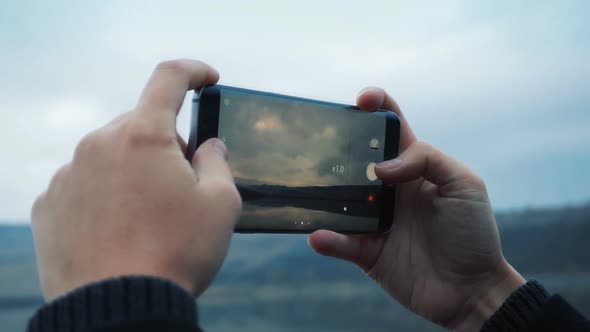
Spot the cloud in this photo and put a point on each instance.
(280, 142)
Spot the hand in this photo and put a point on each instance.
(442, 258)
(129, 203)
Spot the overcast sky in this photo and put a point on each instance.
(502, 85)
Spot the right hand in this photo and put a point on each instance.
(442, 258)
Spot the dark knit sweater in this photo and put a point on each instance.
(149, 304)
(117, 305)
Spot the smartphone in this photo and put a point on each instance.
(299, 164)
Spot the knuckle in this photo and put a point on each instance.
(421, 145)
(181, 65)
(174, 65)
(94, 141)
(121, 118)
(421, 148)
(236, 197)
(139, 132)
(37, 206)
(476, 181)
(59, 175)
(224, 190)
(88, 145)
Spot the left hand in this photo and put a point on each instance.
(129, 203)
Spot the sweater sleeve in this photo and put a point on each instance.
(530, 308)
(132, 303)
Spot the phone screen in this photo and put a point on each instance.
(302, 165)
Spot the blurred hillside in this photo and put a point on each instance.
(276, 283)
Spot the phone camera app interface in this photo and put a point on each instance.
(302, 165)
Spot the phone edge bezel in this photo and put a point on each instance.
(206, 109)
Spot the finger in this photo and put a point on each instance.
(119, 119)
(372, 98)
(182, 143)
(38, 207)
(210, 161)
(423, 160)
(164, 93)
(362, 250)
(58, 178)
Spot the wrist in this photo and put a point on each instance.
(116, 303)
(487, 301)
(62, 284)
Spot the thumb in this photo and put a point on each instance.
(210, 161)
(423, 160)
(362, 250)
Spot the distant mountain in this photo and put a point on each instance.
(541, 216)
(360, 201)
(337, 193)
(547, 240)
(277, 283)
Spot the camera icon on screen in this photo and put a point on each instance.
(374, 144)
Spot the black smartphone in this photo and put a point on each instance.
(300, 164)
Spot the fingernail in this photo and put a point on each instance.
(389, 165)
(220, 148)
(363, 91)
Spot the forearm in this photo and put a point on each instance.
(123, 304)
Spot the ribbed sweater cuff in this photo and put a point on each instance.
(517, 311)
(117, 301)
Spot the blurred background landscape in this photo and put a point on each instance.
(502, 85)
(276, 283)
